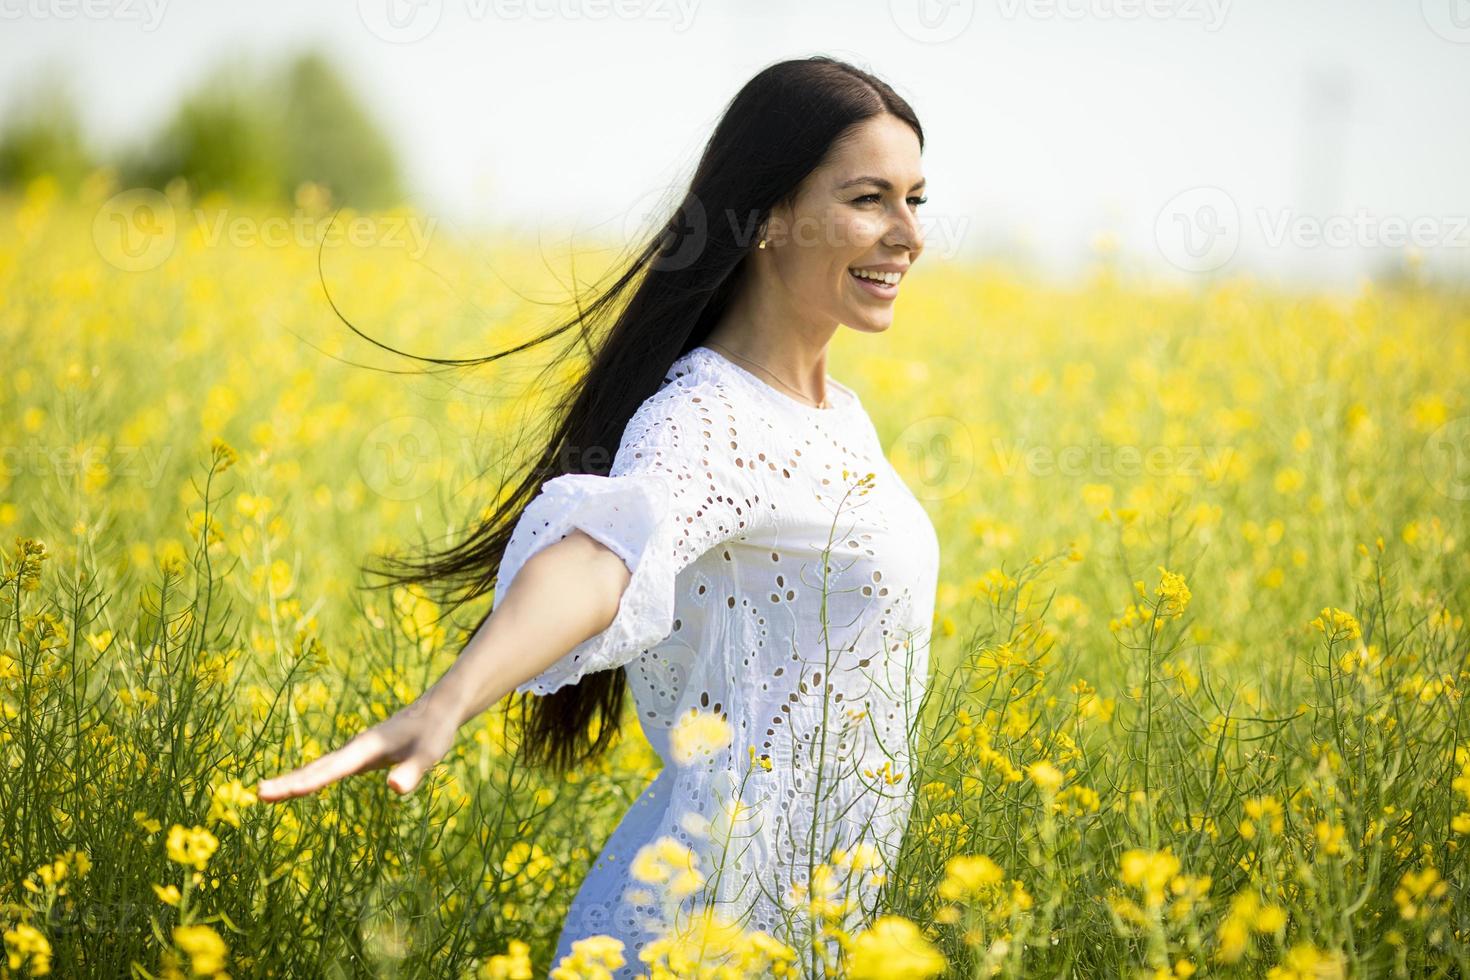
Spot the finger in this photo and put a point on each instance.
(404, 777)
(361, 753)
(353, 757)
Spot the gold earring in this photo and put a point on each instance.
(762, 244)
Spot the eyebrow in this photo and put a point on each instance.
(878, 181)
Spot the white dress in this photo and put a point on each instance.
(722, 499)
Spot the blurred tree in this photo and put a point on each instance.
(43, 135)
(222, 137)
(261, 138)
(331, 140)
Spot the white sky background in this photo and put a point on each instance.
(1048, 121)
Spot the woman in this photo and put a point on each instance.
(749, 555)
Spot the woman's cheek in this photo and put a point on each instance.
(863, 232)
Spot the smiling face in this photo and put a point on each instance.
(843, 246)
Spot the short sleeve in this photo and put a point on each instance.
(667, 500)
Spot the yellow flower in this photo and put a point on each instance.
(527, 861)
(669, 863)
(709, 945)
(53, 875)
(1231, 939)
(1149, 871)
(1246, 914)
(594, 956)
(191, 847)
(995, 583)
(1173, 594)
(50, 875)
(1078, 798)
(1330, 837)
(1337, 625)
(1419, 891)
(205, 949)
(223, 454)
(969, 875)
(1306, 962)
(512, 965)
(419, 617)
(29, 554)
(1045, 775)
(171, 558)
(885, 772)
(168, 895)
(253, 508)
(893, 949)
(861, 858)
(1097, 496)
(24, 943)
(226, 801)
(1258, 809)
(1269, 918)
(698, 734)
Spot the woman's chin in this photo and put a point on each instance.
(868, 321)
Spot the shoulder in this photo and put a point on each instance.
(690, 396)
(676, 426)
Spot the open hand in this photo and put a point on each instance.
(412, 741)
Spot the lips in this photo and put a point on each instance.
(880, 290)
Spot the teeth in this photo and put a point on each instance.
(891, 278)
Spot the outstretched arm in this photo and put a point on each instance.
(600, 556)
(566, 593)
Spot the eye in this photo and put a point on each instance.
(913, 201)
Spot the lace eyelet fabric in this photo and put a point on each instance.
(773, 591)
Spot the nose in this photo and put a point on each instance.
(906, 232)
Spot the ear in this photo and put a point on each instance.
(776, 228)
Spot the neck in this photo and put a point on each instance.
(774, 340)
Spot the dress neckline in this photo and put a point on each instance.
(846, 398)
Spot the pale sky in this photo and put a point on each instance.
(1297, 140)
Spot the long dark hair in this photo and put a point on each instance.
(778, 128)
